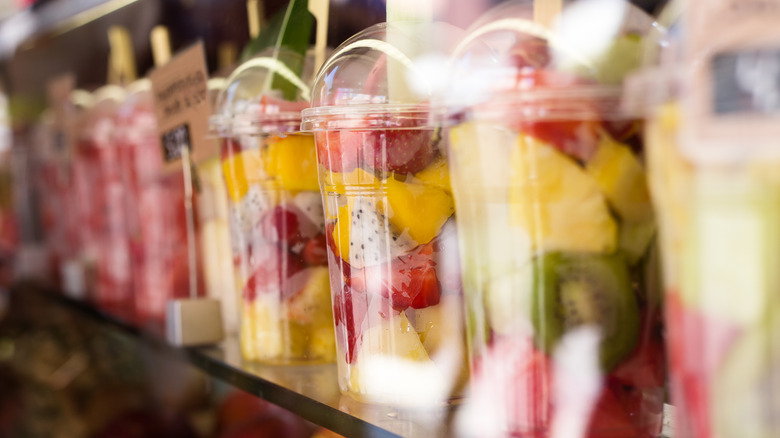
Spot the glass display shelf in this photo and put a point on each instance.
(310, 391)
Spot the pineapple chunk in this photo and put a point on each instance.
(622, 179)
(292, 162)
(437, 174)
(322, 344)
(261, 336)
(420, 210)
(311, 305)
(241, 170)
(556, 202)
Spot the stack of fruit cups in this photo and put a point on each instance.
(390, 217)
(101, 194)
(276, 220)
(556, 227)
(156, 214)
(713, 155)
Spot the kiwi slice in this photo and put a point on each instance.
(746, 389)
(575, 290)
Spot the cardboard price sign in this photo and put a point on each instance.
(182, 107)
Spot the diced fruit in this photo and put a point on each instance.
(310, 206)
(242, 170)
(314, 252)
(397, 150)
(577, 290)
(261, 336)
(531, 52)
(610, 419)
(338, 151)
(645, 367)
(481, 173)
(349, 312)
(635, 239)
(576, 136)
(408, 281)
(281, 225)
(418, 210)
(394, 336)
(311, 305)
(439, 325)
(437, 174)
(556, 202)
(508, 300)
(513, 381)
(622, 179)
(229, 148)
(356, 180)
(363, 237)
(292, 161)
(274, 274)
(322, 344)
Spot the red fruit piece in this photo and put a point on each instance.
(315, 251)
(278, 271)
(514, 377)
(229, 148)
(338, 151)
(399, 150)
(408, 281)
(611, 420)
(349, 312)
(281, 225)
(530, 52)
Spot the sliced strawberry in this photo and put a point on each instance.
(276, 272)
(349, 312)
(611, 420)
(339, 151)
(229, 147)
(401, 151)
(281, 225)
(315, 251)
(408, 281)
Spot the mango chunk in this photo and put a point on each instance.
(242, 170)
(292, 162)
(437, 174)
(417, 209)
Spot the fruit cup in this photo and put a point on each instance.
(713, 162)
(275, 212)
(389, 217)
(101, 194)
(156, 215)
(556, 229)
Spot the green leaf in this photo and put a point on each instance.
(289, 28)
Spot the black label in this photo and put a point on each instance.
(174, 140)
(746, 82)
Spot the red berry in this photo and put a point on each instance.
(349, 312)
(610, 419)
(315, 251)
(338, 151)
(275, 273)
(399, 150)
(281, 225)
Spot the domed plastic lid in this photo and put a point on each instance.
(262, 95)
(385, 76)
(529, 59)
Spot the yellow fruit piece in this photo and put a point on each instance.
(242, 170)
(393, 337)
(292, 162)
(322, 345)
(311, 305)
(417, 209)
(622, 179)
(341, 232)
(261, 335)
(437, 174)
(356, 180)
(556, 202)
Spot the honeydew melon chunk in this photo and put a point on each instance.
(560, 206)
(730, 265)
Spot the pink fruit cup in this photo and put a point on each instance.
(389, 217)
(275, 211)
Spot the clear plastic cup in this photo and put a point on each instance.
(556, 226)
(275, 210)
(101, 194)
(714, 157)
(156, 214)
(390, 216)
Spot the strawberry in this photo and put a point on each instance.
(281, 225)
(277, 272)
(610, 419)
(408, 281)
(338, 151)
(315, 252)
(401, 151)
(349, 312)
